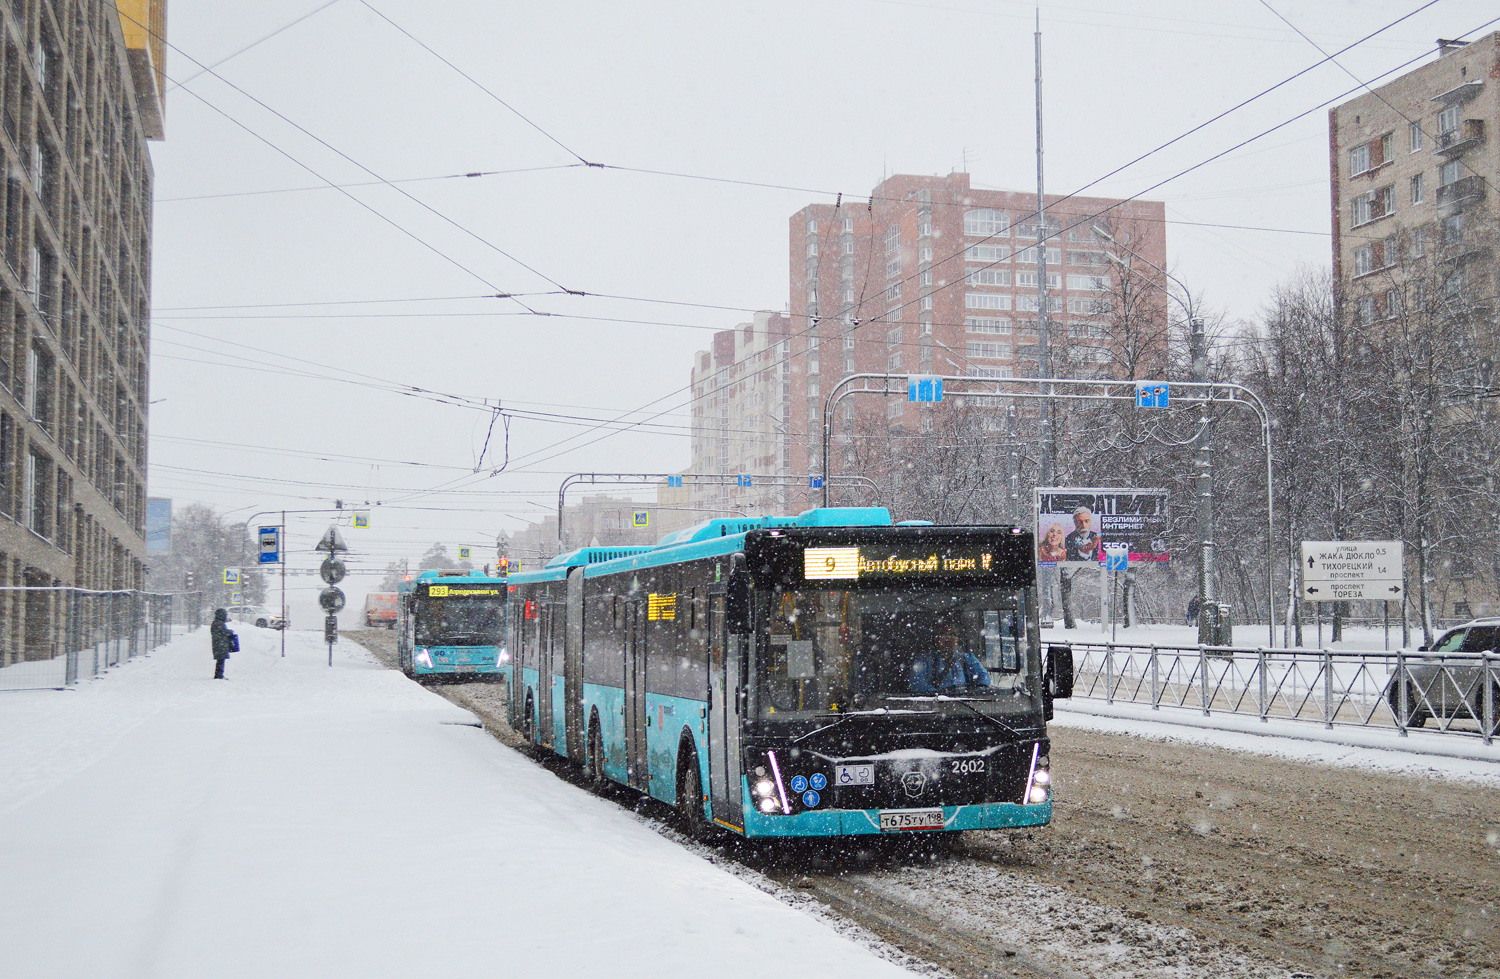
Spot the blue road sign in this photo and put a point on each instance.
(799, 784)
(815, 482)
(742, 480)
(809, 798)
(270, 545)
(1116, 559)
(674, 480)
(819, 781)
(924, 387)
(1153, 395)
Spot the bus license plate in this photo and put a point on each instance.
(892, 820)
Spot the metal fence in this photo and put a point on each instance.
(1452, 693)
(56, 636)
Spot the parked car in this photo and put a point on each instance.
(257, 615)
(1443, 685)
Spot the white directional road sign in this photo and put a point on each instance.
(1350, 570)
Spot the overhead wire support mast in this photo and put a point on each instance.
(712, 479)
(1046, 389)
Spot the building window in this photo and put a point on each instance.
(1418, 244)
(848, 226)
(1449, 173)
(893, 337)
(1417, 189)
(1027, 256)
(988, 277)
(1054, 279)
(812, 249)
(894, 292)
(985, 222)
(1370, 207)
(1029, 303)
(38, 500)
(986, 253)
(1448, 120)
(848, 295)
(1364, 260)
(848, 246)
(1088, 307)
(893, 362)
(812, 227)
(7, 462)
(987, 324)
(1414, 136)
(925, 255)
(926, 277)
(893, 240)
(1089, 283)
(893, 267)
(924, 229)
(987, 351)
(985, 300)
(926, 302)
(1359, 159)
(1093, 331)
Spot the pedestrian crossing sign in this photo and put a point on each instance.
(231, 576)
(464, 552)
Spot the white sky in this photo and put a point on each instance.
(824, 95)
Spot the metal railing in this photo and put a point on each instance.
(55, 636)
(1458, 693)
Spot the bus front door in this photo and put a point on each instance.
(723, 720)
(638, 769)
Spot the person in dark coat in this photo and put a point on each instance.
(223, 640)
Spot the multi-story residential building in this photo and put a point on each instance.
(1410, 164)
(81, 91)
(931, 275)
(741, 406)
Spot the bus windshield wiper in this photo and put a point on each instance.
(844, 718)
(966, 701)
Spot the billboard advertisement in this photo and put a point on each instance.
(158, 525)
(1074, 525)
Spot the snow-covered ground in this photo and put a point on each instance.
(297, 820)
(1251, 636)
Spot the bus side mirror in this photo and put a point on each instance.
(1059, 679)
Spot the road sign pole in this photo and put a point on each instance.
(1207, 591)
(283, 584)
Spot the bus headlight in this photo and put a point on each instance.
(1043, 777)
(765, 788)
(1038, 794)
(768, 805)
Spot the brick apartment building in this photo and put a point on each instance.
(1410, 165)
(81, 91)
(930, 275)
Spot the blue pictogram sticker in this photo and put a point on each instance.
(818, 782)
(810, 799)
(799, 784)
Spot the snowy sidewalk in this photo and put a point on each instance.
(297, 820)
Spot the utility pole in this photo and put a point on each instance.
(1207, 593)
(1045, 470)
(1044, 367)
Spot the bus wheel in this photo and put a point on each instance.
(594, 756)
(1415, 717)
(690, 798)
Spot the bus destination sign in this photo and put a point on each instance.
(849, 563)
(464, 591)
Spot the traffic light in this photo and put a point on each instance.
(502, 567)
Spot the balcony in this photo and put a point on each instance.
(1462, 93)
(1461, 193)
(1470, 133)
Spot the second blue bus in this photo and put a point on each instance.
(452, 623)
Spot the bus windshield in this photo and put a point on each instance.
(839, 650)
(459, 621)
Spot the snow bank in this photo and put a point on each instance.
(297, 820)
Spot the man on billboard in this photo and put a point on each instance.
(1083, 543)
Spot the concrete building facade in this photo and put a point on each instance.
(1410, 164)
(81, 91)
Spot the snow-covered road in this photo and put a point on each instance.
(297, 820)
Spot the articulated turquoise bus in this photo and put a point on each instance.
(452, 623)
(822, 675)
